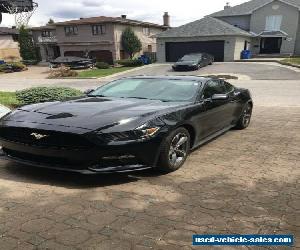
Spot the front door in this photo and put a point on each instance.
(270, 45)
(218, 114)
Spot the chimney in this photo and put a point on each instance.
(123, 16)
(166, 19)
(227, 6)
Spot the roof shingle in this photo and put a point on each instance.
(207, 26)
(248, 7)
(104, 19)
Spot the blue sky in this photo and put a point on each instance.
(180, 11)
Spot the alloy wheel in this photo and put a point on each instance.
(178, 149)
(247, 115)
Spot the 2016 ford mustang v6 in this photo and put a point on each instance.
(129, 124)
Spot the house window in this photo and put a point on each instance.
(146, 31)
(273, 23)
(98, 30)
(149, 48)
(71, 30)
(47, 33)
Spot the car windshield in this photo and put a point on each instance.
(190, 58)
(169, 90)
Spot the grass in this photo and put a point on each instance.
(103, 72)
(295, 60)
(8, 99)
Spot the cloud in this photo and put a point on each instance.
(180, 11)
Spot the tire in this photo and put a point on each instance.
(171, 159)
(245, 118)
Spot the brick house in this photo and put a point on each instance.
(100, 37)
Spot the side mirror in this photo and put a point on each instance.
(219, 97)
(88, 91)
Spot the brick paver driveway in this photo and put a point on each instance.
(242, 182)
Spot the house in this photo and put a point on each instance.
(9, 47)
(98, 37)
(266, 27)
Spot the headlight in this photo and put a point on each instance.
(144, 131)
(147, 131)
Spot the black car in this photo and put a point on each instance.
(193, 62)
(129, 124)
(73, 62)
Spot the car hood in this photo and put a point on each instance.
(93, 113)
(185, 63)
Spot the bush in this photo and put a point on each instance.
(102, 65)
(30, 62)
(130, 63)
(12, 67)
(18, 66)
(62, 72)
(46, 94)
(3, 67)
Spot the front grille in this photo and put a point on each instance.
(120, 136)
(51, 138)
(46, 160)
(183, 67)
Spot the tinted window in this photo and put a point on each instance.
(154, 89)
(228, 87)
(191, 58)
(213, 87)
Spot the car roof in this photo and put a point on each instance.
(184, 78)
(195, 54)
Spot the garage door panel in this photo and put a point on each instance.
(176, 50)
(102, 56)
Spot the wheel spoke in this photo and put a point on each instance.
(180, 152)
(181, 141)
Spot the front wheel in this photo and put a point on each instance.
(245, 118)
(175, 150)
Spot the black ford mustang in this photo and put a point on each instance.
(193, 62)
(129, 124)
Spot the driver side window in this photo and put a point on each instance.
(212, 88)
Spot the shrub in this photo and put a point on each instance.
(18, 66)
(130, 42)
(130, 63)
(46, 94)
(62, 72)
(3, 67)
(102, 65)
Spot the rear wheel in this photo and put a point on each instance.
(174, 151)
(245, 118)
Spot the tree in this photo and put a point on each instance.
(51, 21)
(27, 47)
(130, 42)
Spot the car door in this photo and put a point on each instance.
(234, 104)
(205, 60)
(217, 112)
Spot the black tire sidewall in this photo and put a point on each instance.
(163, 162)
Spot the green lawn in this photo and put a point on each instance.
(102, 72)
(8, 99)
(293, 60)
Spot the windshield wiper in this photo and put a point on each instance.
(136, 97)
(97, 96)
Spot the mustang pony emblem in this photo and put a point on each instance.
(38, 136)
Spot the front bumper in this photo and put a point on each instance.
(184, 67)
(131, 156)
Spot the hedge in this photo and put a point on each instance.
(102, 65)
(130, 63)
(46, 94)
